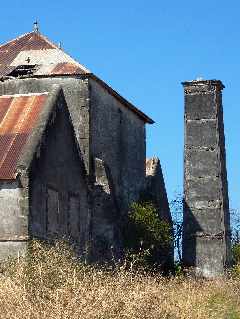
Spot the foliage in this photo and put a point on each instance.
(145, 233)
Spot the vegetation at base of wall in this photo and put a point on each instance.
(51, 283)
(145, 235)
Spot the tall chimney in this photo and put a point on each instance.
(206, 218)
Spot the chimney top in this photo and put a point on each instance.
(200, 82)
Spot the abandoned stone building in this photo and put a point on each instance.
(72, 152)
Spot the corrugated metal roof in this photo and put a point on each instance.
(5, 70)
(18, 116)
(59, 69)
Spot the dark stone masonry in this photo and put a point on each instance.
(206, 232)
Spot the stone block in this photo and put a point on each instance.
(206, 221)
(201, 133)
(204, 189)
(200, 163)
(200, 106)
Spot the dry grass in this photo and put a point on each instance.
(53, 285)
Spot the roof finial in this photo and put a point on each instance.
(60, 45)
(36, 26)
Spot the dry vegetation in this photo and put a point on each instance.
(52, 284)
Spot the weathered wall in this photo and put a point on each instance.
(110, 132)
(155, 192)
(111, 124)
(206, 236)
(118, 138)
(105, 228)
(14, 220)
(58, 189)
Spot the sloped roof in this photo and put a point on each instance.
(44, 58)
(35, 49)
(18, 117)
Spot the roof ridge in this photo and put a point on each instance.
(79, 64)
(23, 94)
(46, 39)
(17, 38)
(56, 47)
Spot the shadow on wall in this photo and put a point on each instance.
(105, 235)
(191, 228)
(203, 249)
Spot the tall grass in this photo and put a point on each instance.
(51, 283)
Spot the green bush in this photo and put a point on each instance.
(145, 234)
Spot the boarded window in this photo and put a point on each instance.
(38, 209)
(52, 210)
(74, 216)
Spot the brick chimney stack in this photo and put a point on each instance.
(206, 219)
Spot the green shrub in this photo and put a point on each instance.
(145, 234)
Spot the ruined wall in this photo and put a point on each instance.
(155, 192)
(118, 138)
(105, 225)
(14, 220)
(206, 236)
(58, 189)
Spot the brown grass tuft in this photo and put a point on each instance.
(52, 284)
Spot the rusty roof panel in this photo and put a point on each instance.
(18, 116)
(67, 68)
(30, 41)
(5, 70)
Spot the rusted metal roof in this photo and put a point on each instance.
(35, 49)
(6, 69)
(18, 116)
(26, 42)
(60, 69)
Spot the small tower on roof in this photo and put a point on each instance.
(36, 26)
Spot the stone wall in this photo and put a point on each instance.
(118, 138)
(206, 236)
(58, 186)
(106, 241)
(14, 220)
(155, 192)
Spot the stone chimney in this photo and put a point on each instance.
(206, 219)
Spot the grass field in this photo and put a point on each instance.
(52, 284)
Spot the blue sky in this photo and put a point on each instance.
(144, 50)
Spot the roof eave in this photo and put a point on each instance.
(29, 150)
(114, 93)
(111, 91)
